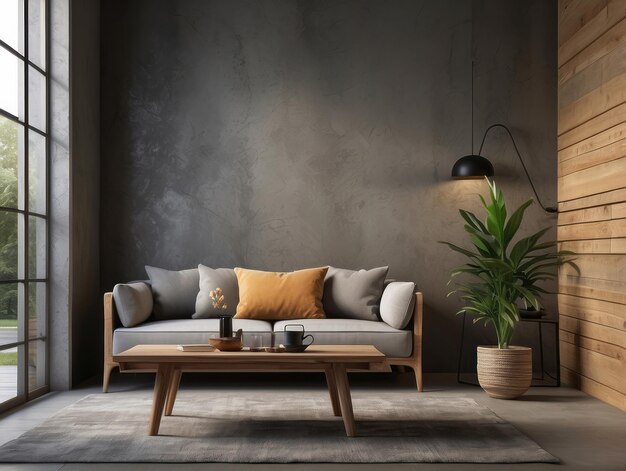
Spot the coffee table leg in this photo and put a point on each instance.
(332, 390)
(343, 388)
(172, 392)
(161, 383)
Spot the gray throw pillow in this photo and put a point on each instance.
(397, 303)
(353, 294)
(174, 292)
(133, 302)
(212, 279)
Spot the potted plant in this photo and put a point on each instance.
(501, 274)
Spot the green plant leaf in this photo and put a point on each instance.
(514, 222)
(456, 248)
(473, 221)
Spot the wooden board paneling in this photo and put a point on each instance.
(604, 45)
(592, 196)
(613, 151)
(613, 196)
(589, 330)
(600, 267)
(596, 141)
(593, 230)
(580, 308)
(593, 77)
(602, 368)
(600, 178)
(594, 22)
(595, 213)
(609, 95)
(574, 14)
(600, 123)
(613, 351)
(583, 287)
(598, 246)
(593, 388)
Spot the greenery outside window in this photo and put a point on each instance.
(24, 205)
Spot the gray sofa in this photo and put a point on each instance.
(402, 346)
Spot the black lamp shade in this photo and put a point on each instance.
(472, 167)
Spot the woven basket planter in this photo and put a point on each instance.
(505, 373)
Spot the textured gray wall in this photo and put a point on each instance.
(284, 134)
(59, 328)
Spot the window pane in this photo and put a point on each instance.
(11, 163)
(11, 84)
(36, 310)
(36, 247)
(36, 364)
(10, 384)
(11, 245)
(36, 99)
(37, 32)
(36, 173)
(11, 313)
(12, 23)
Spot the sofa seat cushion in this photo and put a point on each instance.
(179, 331)
(392, 342)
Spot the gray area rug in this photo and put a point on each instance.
(275, 427)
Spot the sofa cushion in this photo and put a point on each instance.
(278, 295)
(133, 302)
(174, 292)
(397, 303)
(392, 342)
(179, 331)
(212, 279)
(354, 294)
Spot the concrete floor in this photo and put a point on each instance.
(583, 432)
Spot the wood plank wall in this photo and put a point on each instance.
(592, 195)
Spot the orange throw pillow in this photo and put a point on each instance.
(279, 296)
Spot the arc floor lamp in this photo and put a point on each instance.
(476, 166)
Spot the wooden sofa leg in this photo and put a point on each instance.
(108, 368)
(419, 382)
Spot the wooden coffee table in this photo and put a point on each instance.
(170, 363)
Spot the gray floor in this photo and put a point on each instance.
(583, 432)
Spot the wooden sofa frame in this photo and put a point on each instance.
(414, 361)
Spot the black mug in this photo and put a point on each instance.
(295, 338)
(226, 326)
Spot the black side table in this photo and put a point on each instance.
(540, 323)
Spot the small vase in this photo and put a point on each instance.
(226, 326)
(505, 373)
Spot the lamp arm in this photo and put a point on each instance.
(548, 209)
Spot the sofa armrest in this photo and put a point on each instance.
(415, 326)
(110, 322)
(418, 319)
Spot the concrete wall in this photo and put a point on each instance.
(75, 307)
(286, 134)
(59, 329)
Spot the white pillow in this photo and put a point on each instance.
(397, 303)
(133, 302)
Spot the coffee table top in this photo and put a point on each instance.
(315, 353)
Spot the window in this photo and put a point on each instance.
(24, 164)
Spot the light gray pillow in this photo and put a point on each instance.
(397, 303)
(353, 294)
(174, 292)
(210, 280)
(133, 302)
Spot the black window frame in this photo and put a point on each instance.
(27, 280)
